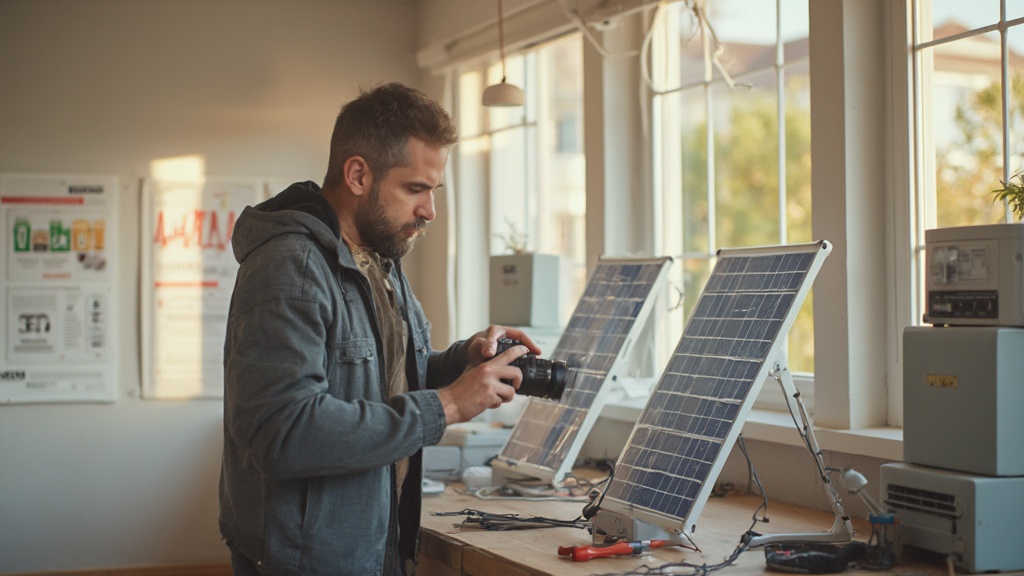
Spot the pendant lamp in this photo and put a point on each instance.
(503, 93)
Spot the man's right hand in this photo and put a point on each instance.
(480, 387)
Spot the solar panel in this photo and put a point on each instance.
(696, 411)
(612, 311)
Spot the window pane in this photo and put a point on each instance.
(1015, 38)
(694, 166)
(746, 164)
(795, 23)
(798, 153)
(950, 17)
(510, 205)
(1014, 9)
(695, 276)
(691, 55)
(471, 86)
(966, 128)
(747, 31)
(800, 345)
(560, 214)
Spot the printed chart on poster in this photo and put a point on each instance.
(188, 272)
(58, 284)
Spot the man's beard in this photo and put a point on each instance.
(381, 235)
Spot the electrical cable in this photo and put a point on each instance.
(512, 493)
(753, 475)
(711, 59)
(581, 25)
(705, 569)
(488, 521)
(815, 455)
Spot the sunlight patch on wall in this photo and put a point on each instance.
(190, 168)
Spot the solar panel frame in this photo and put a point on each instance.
(664, 453)
(608, 318)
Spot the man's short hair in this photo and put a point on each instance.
(377, 126)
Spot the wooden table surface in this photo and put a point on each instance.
(447, 550)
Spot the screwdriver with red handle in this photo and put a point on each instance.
(584, 553)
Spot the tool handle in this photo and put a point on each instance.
(584, 553)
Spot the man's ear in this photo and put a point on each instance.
(358, 176)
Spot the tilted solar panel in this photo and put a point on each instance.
(729, 346)
(615, 304)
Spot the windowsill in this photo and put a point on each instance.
(884, 442)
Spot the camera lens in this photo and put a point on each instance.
(541, 378)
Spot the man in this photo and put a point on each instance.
(331, 388)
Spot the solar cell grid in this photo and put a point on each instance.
(608, 315)
(694, 413)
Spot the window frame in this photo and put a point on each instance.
(666, 144)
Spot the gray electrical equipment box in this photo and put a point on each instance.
(525, 289)
(963, 400)
(972, 519)
(974, 275)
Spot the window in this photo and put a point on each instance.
(520, 171)
(734, 153)
(729, 165)
(971, 123)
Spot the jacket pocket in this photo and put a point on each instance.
(354, 370)
(355, 351)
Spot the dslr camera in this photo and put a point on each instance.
(541, 378)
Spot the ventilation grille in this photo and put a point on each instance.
(925, 501)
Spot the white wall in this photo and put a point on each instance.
(108, 86)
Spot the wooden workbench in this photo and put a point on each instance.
(446, 550)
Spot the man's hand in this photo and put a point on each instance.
(480, 387)
(483, 345)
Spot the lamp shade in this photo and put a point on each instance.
(503, 94)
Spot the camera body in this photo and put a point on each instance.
(541, 378)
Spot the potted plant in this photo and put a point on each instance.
(1012, 193)
(514, 240)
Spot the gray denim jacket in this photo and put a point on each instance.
(310, 435)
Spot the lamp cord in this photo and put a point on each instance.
(501, 39)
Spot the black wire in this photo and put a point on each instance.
(698, 569)
(705, 569)
(753, 474)
(490, 521)
(590, 510)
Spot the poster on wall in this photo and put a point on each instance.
(58, 285)
(188, 272)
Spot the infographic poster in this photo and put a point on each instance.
(188, 275)
(58, 288)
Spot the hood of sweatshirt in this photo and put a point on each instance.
(299, 209)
